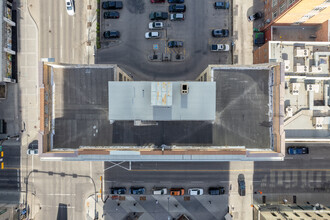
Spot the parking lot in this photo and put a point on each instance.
(135, 54)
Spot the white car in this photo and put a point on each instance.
(160, 191)
(220, 47)
(150, 35)
(195, 191)
(69, 4)
(156, 25)
(32, 151)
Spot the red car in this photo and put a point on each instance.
(157, 1)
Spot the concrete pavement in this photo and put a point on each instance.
(242, 32)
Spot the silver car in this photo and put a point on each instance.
(156, 25)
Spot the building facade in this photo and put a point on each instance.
(8, 42)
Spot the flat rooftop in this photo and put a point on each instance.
(301, 58)
(242, 113)
(162, 101)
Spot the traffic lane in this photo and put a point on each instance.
(316, 150)
(11, 155)
(56, 28)
(119, 177)
(297, 175)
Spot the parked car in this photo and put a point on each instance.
(111, 34)
(150, 35)
(156, 25)
(241, 185)
(32, 151)
(70, 7)
(118, 190)
(297, 150)
(172, 44)
(255, 16)
(177, 17)
(195, 191)
(220, 33)
(111, 14)
(216, 190)
(175, 1)
(137, 190)
(221, 5)
(176, 191)
(220, 47)
(112, 5)
(160, 191)
(157, 1)
(177, 8)
(33, 145)
(158, 15)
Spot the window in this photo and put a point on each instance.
(274, 3)
(274, 14)
(282, 7)
(291, 2)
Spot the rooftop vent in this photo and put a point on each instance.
(184, 88)
(289, 111)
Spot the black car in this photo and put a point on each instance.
(112, 5)
(33, 145)
(216, 190)
(255, 16)
(172, 44)
(111, 14)
(111, 34)
(118, 190)
(158, 15)
(220, 33)
(137, 190)
(241, 185)
(221, 5)
(175, 1)
(177, 8)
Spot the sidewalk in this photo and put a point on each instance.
(242, 33)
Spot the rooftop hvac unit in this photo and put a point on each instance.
(184, 88)
(316, 69)
(286, 65)
(301, 69)
(318, 122)
(289, 111)
(295, 88)
(313, 87)
(302, 52)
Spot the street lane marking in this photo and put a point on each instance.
(49, 22)
(56, 194)
(61, 21)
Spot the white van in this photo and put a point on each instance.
(160, 191)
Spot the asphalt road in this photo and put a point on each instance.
(10, 175)
(296, 175)
(61, 36)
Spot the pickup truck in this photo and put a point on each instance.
(219, 47)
